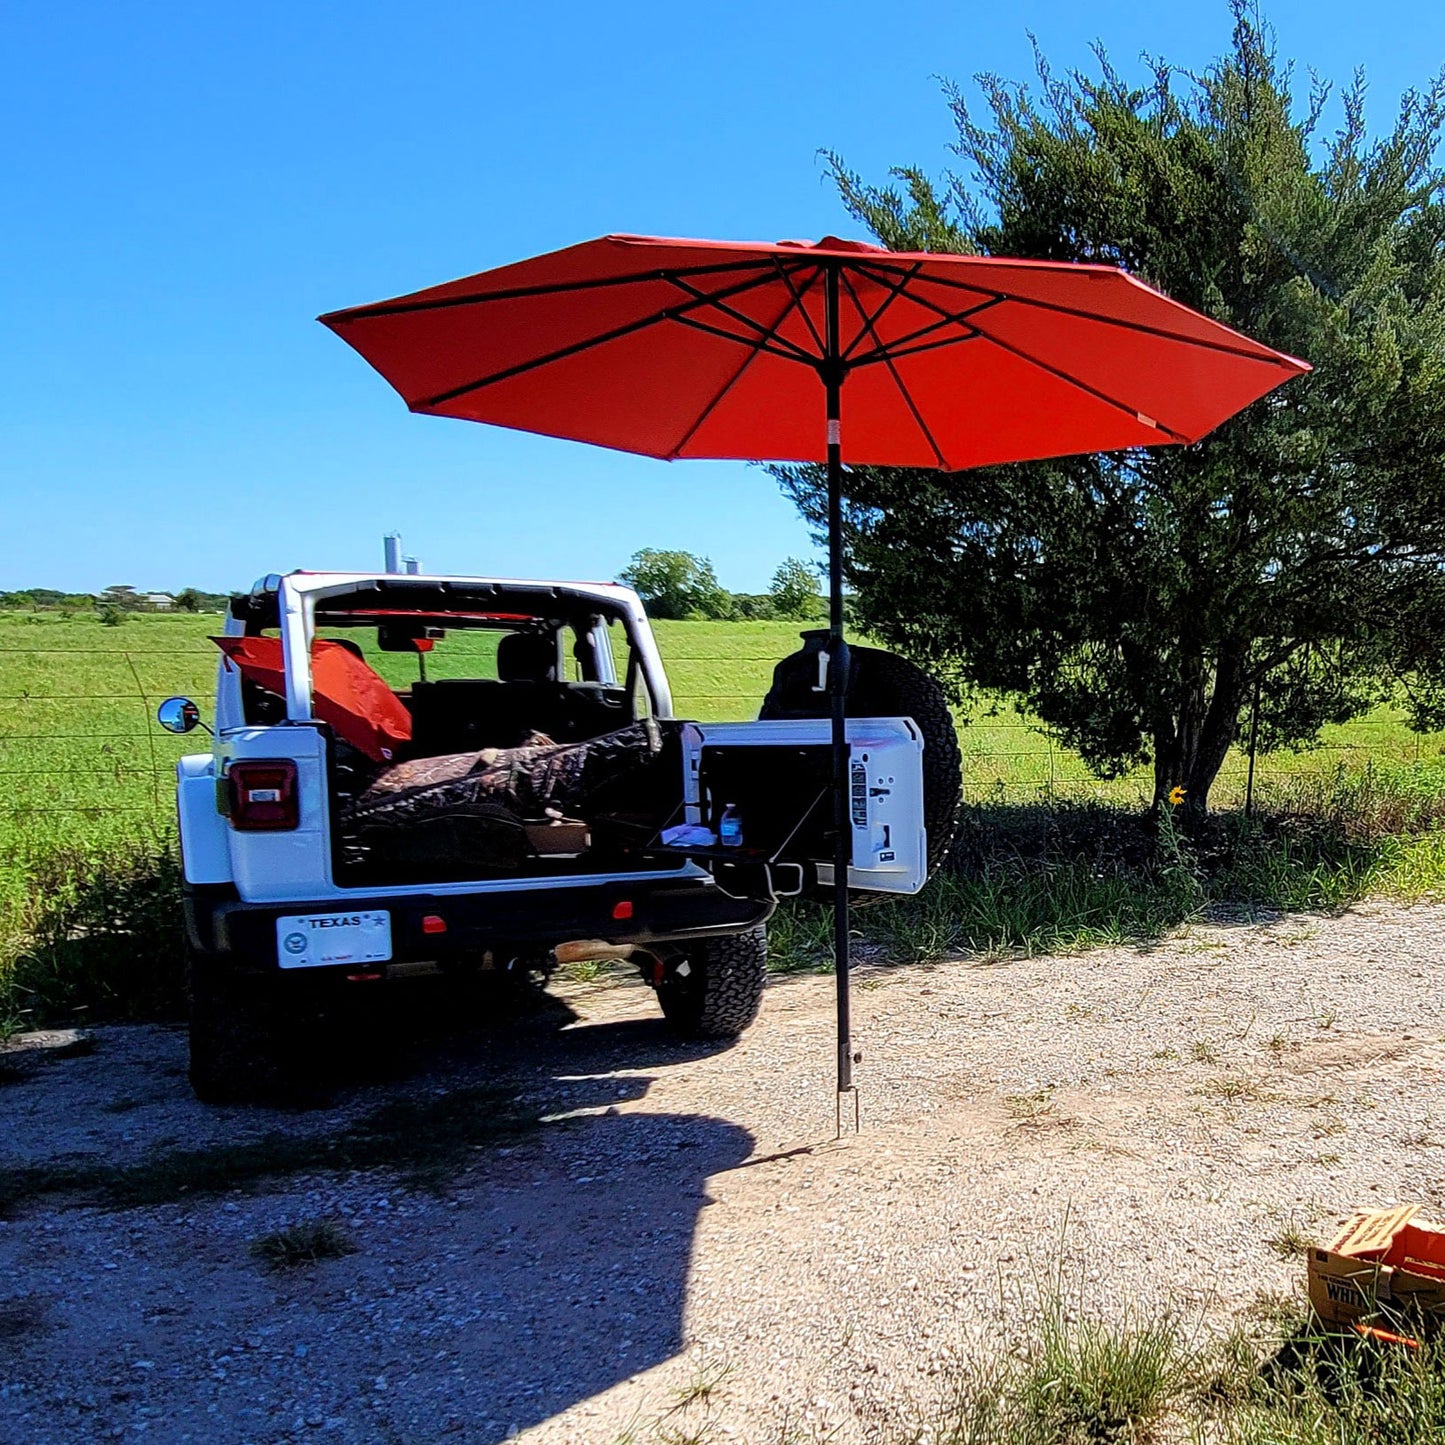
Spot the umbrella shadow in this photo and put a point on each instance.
(574, 1247)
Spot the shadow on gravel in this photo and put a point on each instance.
(398, 1080)
(544, 1238)
(422, 1028)
(581, 1276)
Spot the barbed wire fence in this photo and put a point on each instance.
(81, 753)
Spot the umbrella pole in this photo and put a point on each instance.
(838, 669)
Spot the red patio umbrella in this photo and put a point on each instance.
(678, 348)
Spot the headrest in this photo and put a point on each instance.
(527, 657)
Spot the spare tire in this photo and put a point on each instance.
(882, 684)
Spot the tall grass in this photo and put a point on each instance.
(1079, 1379)
(89, 883)
(1034, 879)
(93, 934)
(1324, 1389)
(1060, 876)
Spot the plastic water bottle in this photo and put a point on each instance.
(730, 828)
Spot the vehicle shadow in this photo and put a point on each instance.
(573, 1243)
(574, 1270)
(424, 1029)
(498, 1276)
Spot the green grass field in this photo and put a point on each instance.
(1052, 859)
(81, 757)
(81, 754)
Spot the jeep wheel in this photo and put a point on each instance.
(882, 684)
(712, 989)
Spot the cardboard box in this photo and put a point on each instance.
(564, 837)
(1381, 1262)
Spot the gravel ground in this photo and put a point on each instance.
(678, 1244)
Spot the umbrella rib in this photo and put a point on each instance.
(737, 376)
(752, 344)
(555, 288)
(785, 273)
(897, 353)
(871, 322)
(765, 333)
(670, 313)
(1144, 328)
(1123, 406)
(868, 324)
(902, 347)
(1062, 375)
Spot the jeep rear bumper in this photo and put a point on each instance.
(510, 924)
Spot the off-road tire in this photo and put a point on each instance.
(718, 994)
(882, 684)
(236, 1053)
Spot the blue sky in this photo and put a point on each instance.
(185, 186)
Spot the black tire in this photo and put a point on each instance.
(882, 684)
(237, 1054)
(712, 989)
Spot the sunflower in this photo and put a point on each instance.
(1176, 796)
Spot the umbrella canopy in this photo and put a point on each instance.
(675, 348)
(710, 349)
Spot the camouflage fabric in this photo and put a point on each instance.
(446, 768)
(474, 804)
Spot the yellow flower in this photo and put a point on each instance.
(1176, 796)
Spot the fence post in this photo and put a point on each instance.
(1253, 744)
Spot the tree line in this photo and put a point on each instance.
(681, 585)
(118, 598)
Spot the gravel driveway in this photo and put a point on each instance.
(599, 1231)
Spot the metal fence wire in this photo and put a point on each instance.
(79, 741)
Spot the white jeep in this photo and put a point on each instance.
(415, 773)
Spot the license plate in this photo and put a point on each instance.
(312, 940)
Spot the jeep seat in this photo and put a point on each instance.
(462, 715)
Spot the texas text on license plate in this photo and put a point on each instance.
(311, 940)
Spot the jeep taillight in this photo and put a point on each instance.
(263, 795)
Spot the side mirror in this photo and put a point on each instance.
(179, 715)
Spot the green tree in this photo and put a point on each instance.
(795, 590)
(1134, 601)
(189, 600)
(753, 607)
(122, 596)
(675, 584)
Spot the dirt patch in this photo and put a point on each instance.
(1353, 1053)
(654, 1223)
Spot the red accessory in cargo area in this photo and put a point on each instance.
(346, 691)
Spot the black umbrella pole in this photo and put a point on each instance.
(838, 669)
